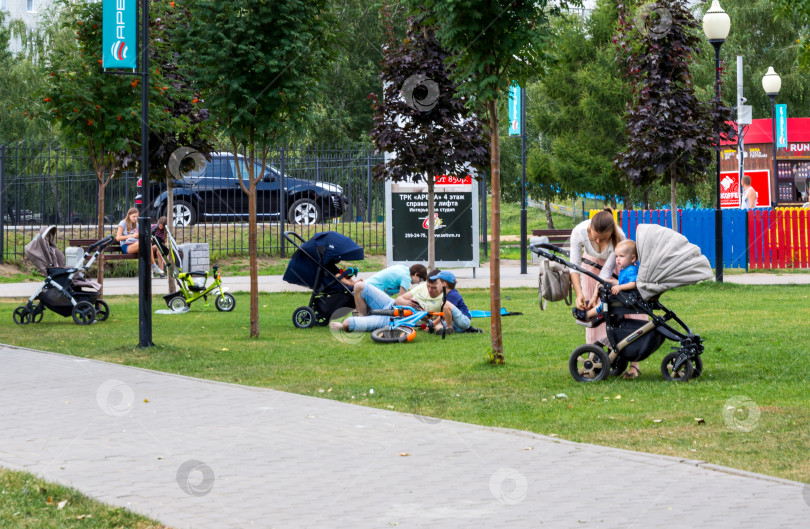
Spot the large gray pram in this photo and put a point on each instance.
(65, 291)
(667, 260)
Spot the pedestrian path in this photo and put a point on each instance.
(200, 454)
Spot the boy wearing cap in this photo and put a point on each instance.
(456, 314)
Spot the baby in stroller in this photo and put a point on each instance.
(627, 261)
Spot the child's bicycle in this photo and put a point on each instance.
(193, 286)
(404, 321)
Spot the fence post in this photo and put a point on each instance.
(282, 200)
(369, 216)
(2, 202)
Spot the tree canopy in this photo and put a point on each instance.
(421, 121)
(670, 133)
(492, 44)
(257, 80)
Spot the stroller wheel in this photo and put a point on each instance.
(84, 313)
(102, 310)
(303, 317)
(697, 363)
(589, 363)
(393, 335)
(225, 302)
(618, 366)
(683, 372)
(37, 313)
(21, 315)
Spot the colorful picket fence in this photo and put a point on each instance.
(755, 239)
(779, 238)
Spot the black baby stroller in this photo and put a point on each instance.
(314, 265)
(65, 290)
(667, 260)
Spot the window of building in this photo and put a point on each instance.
(31, 6)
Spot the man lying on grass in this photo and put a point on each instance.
(424, 296)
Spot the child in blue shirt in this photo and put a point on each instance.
(627, 261)
(456, 314)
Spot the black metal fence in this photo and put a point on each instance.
(45, 184)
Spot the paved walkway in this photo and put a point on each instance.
(467, 277)
(200, 454)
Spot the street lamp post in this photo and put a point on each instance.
(716, 24)
(772, 83)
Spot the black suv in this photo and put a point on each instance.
(214, 193)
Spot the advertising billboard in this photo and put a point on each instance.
(455, 222)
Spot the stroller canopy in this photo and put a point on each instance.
(668, 260)
(43, 252)
(322, 250)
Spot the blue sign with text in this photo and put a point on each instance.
(514, 110)
(781, 127)
(119, 35)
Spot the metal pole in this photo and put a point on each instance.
(740, 135)
(718, 211)
(774, 187)
(484, 216)
(144, 240)
(523, 230)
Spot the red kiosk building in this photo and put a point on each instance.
(789, 187)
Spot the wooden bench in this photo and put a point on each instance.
(561, 238)
(112, 252)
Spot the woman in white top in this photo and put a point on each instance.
(749, 196)
(127, 236)
(595, 240)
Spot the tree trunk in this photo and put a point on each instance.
(254, 264)
(497, 356)
(431, 184)
(549, 219)
(647, 198)
(673, 198)
(628, 203)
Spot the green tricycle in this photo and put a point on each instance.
(192, 285)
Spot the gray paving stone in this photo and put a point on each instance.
(212, 455)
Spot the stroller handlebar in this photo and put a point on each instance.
(289, 234)
(102, 243)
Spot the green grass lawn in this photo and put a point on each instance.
(31, 503)
(751, 355)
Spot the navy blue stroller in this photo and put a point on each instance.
(314, 265)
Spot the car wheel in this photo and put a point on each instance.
(304, 211)
(184, 214)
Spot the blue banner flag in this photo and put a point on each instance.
(119, 34)
(514, 110)
(781, 127)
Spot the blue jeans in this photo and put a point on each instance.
(376, 299)
(460, 322)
